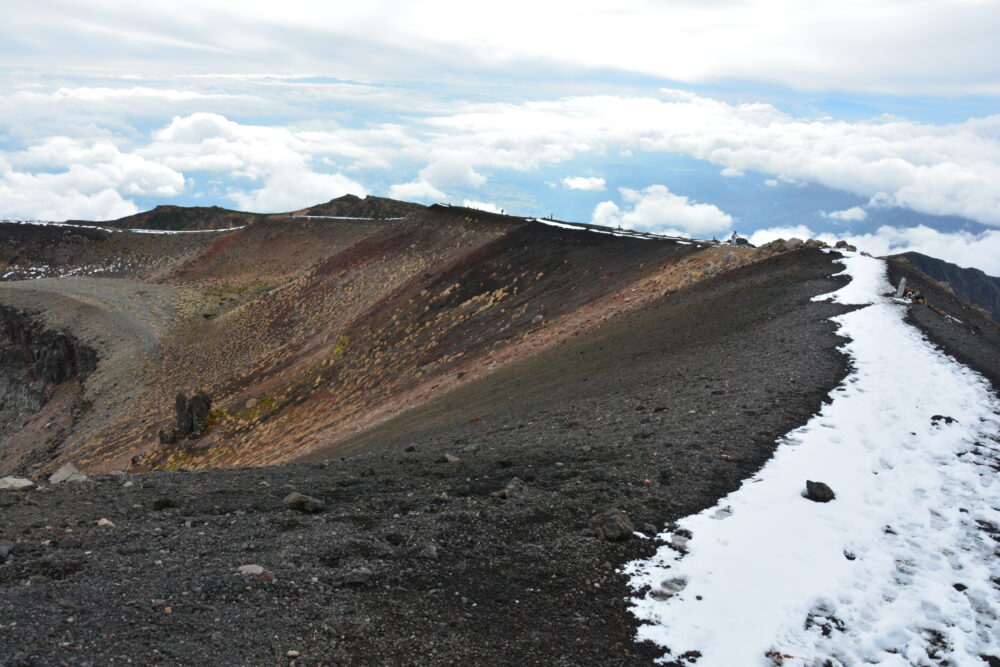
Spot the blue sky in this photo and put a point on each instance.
(875, 121)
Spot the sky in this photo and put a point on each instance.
(875, 121)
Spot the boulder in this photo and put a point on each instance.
(192, 414)
(358, 576)
(819, 492)
(15, 484)
(612, 525)
(515, 487)
(303, 503)
(67, 473)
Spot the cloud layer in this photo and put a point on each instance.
(891, 46)
(656, 209)
(963, 248)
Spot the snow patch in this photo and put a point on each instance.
(340, 217)
(626, 233)
(897, 569)
(49, 223)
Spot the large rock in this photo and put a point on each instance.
(612, 525)
(15, 484)
(67, 473)
(819, 492)
(192, 414)
(303, 503)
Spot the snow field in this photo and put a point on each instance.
(897, 569)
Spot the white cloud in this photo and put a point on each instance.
(588, 183)
(933, 169)
(481, 205)
(732, 172)
(853, 214)
(762, 236)
(771, 183)
(966, 249)
(289, 191)
(453, 168)
(933, 47)
(656, 209)
(418, 190)
(24, 197)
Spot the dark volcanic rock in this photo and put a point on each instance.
(303, 503)
(612, 525)
(192, 415)
(358, 576)
(819, 492)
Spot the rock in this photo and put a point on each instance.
(168, 436)
(15, 484)
(448, 458)
(515, 487)
(192, 414)
(359, 576)
(819, 492)
(164, 503)
(292, 654)
(6, 546)
(201, 406)
(793, 244)
(68, 473)
(105, 523)
(612, 525)
(182, 410)
(429, 552)
(303, 503)
(251, 570)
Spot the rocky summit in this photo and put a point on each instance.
(373, 432)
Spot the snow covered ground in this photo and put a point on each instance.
(49, 223)
(627, 233)
(340, 217)
(901, 568)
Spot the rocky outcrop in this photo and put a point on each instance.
(51, 356)
(192, 415)
(34, 361)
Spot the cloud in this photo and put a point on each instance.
(934, 169)
(853, 214)
(21, 198)
(966, 249)
(656, 209)
(481, 205)
(732, 172)
(452, 168)
(63, 178)
(418, 190)
(289, 191)
(932, 48)
(762, 236)
(771, 183)
(588, 183)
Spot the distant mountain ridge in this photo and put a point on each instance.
(169, 217)
(352, 206)
(970, 284)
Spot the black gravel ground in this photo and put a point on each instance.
(414, 561)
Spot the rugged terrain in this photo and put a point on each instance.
(972, 285)
(463, 391)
